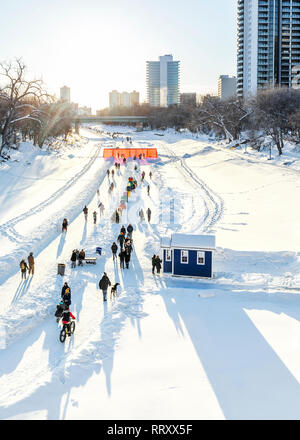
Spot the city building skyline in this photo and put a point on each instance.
(226, 86)
(268, 44)
(124, 99)
(162, 81)
(65, 94)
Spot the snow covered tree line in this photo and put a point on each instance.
(274, 113)
(27, 111)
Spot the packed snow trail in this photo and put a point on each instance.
(165, 348)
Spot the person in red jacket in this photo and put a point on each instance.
(66, 315)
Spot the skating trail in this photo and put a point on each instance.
(164, 348)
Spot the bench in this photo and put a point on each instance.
(90, 260)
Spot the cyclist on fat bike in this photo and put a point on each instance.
(66, 315)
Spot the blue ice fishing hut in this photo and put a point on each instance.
(188, 255)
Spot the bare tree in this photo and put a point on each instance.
(19, 97)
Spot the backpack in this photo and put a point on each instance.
(23, 265)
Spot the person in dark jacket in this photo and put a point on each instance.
(64, 288)
(123, 230)
(121, 239)
(130, 230)
(122, 258)
(114, 250)
(153, 263)
(64, 225)
(158, 264)
(117, 217)
(31, 263)
(73, 259)
(81, 257)
(85, 211)
(127, 258)
(148, 190)
(66, 297)
(148, 214)
(24, 268)
(128, 246)
(103, 285)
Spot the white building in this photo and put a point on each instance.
(65, 94)
(124, 99)
(163, 81)
(226, 86)
(114, 99)
(268, 44)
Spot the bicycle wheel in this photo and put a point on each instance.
(62, 336)
(72, 327)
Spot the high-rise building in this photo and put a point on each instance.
(65, 94)
(163, 81)
(114, 99)
(134, 98)
(226, 86)
(268, 44)
(123, 99)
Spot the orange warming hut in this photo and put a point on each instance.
(120, 153)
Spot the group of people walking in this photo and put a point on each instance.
(24, 267)
(77, 256)
(156, 263)
(126, 248)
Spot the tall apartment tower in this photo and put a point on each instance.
(226, 86)
(268, 52)
(65, 94)
(163, 81)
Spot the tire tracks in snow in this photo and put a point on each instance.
(214, 205)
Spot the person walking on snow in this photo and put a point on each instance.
(112, 173)
(66, 294)
(101, 208)
(107, 172)
(149, 214)
(130, 230)
(95, 217)
(103, 285)
(148, 190)
(114, 249)
(123, 230)
(150, 175)
(143, 176)
(81, 257)
(85, 211)
(127, 258)
(158, 264)
(64, 225)
(141, 214)
(122, 258)
(121, 239)
(31, 263)
(24, 268)
(153, 263)
(73, 259)
(117, 216)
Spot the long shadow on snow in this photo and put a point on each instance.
(247, 376)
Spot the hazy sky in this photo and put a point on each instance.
(95, 46)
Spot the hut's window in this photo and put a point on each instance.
(200, 257)
(184, 257)
(168, 255)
